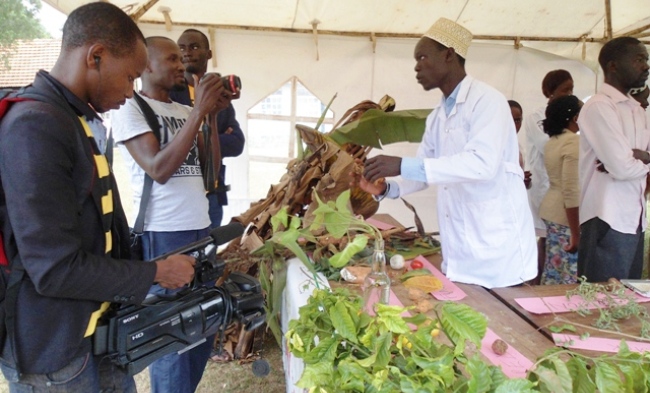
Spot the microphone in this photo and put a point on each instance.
(218, 236)
(226, 233)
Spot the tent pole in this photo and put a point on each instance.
(608, 20)
(213, 45)
(142, 10)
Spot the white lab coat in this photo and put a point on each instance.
(486, 227)
(536, 140)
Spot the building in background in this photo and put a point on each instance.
(26, 58)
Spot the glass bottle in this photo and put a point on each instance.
(376, 285)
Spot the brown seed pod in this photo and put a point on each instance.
(613, 284)
(499, 346)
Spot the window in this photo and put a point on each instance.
(272, 133)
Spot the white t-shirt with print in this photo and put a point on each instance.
(179, 204)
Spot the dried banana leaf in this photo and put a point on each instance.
(376, 128)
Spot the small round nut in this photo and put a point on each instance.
(499, 346)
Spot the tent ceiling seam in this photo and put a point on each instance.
(295, 13)
(378, 35)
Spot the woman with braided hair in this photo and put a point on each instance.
(559, 208)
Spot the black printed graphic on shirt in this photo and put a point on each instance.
(170, 127)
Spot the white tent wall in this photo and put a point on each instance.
(348, 67)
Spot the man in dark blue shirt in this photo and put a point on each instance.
(195, 48)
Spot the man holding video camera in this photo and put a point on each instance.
(195, 48)
(64, 230)
(177, 211)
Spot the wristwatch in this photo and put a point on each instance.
(381, 196)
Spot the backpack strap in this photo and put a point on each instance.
(152, 121)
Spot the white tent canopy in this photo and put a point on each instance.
(557, 26)
(363, 49)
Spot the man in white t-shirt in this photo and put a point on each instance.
(177, 211)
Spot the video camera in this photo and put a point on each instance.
(134, 336)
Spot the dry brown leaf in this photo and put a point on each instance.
(417, 294)
(424, 306)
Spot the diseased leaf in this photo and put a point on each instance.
(383, 350)
(391, 317)
(461, 322)
(550, 380)
(317, 374)
(608, 379)
(635, 378)
(342, 322)
(479, 376)
(498, 377)
(515, 385)
(325, 351)
(563, 374)
(352, 376)
(582, 382)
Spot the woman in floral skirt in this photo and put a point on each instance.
(559, 208)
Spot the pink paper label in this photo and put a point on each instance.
(382, 226)
(513, 364)
(559, 304)
(597, 343)
(449, 290)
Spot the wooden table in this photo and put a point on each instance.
(506, 323)
(542, 322)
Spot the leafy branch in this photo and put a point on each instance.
(347, 350)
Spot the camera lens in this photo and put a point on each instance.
(231, 82)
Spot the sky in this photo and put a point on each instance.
(52, 19)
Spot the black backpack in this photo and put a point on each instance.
(11, 268)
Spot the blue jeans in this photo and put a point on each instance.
(86, 373)
(175, 373)
(215, 210)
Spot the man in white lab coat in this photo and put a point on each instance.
(469, 149)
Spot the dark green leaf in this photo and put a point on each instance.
(558, 329)
(376, 128)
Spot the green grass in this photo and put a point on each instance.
(229, 377)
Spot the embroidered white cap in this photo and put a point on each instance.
(451, 35)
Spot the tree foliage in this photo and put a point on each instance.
(19, 21)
